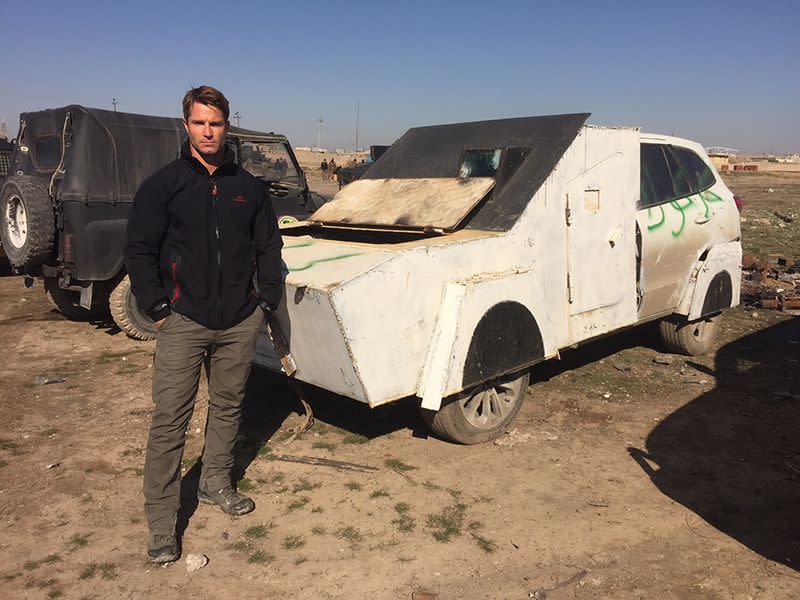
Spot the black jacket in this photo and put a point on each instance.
(195, 240)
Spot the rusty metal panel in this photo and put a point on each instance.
(426, 203)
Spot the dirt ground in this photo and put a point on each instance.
(623, 477)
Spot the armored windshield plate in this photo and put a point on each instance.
(436, 203)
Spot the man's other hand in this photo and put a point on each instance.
(160, 322)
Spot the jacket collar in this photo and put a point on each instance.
(227, 167)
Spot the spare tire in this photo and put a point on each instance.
(128, 316)
(28, 221)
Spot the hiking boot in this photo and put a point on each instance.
(162, 548)
(228, 499)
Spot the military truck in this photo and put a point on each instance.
(470, 252)
(71, 179)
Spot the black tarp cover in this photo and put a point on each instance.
(110, 152)
(436, 151)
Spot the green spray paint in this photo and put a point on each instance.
(681, 208)
(310, 264)
(705, 197)
(300, 245)
(661, 222)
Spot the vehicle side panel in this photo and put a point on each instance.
(91, 242)
(675, 236)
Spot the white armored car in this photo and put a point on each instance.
(470, 252)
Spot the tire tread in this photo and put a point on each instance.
(118, 303)
(41, 222)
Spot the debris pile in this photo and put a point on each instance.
(773, 283)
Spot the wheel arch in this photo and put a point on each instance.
(505, 339)
(715, 283)
(485, 329)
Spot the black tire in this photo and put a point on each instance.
(480, 414)
(690, 338)
(128, 316)
(68, 301)
(28, 221)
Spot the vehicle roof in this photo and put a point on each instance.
(111, 117)
(658, 138)
(112, 152)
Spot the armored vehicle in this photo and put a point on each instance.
(470, 252)
(71, 179)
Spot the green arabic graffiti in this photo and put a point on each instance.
(661, 222)
(300, 245)
(681, 208)
(705, 197)
(311, 263)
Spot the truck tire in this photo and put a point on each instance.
(67, 302)
(28, 221)
(480, 414)
(692, 339)
(128, 316)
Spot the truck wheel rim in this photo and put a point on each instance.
(489, 407)
(16, 221)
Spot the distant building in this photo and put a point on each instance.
(721, 157)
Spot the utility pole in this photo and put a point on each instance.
(237, 117)
(358, 111)
(319, 132)
(114, 102)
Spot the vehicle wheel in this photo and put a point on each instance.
(127, 314)
(68, 301)
(682, 337)
(28, 222)
(480, 414)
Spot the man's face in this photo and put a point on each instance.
(206, 128)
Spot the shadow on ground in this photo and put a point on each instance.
(267, 402)
(5, 267)
(644, 336)
(732, 456)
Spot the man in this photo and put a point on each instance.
(198, 230)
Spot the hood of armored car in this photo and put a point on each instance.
(325, 264)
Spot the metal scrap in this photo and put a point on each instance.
(771, 284)
(323, 462)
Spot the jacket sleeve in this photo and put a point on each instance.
(268, 244)
(147, 227)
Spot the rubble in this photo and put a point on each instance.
(512, 438)
(771, 284)
(48, 379)
(195, 562)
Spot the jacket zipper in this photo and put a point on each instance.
(219, 246)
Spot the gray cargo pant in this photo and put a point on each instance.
(181, 348)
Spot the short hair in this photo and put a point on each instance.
(210, 96)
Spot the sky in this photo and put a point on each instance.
(720, 73)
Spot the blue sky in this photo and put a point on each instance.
(721, 73)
